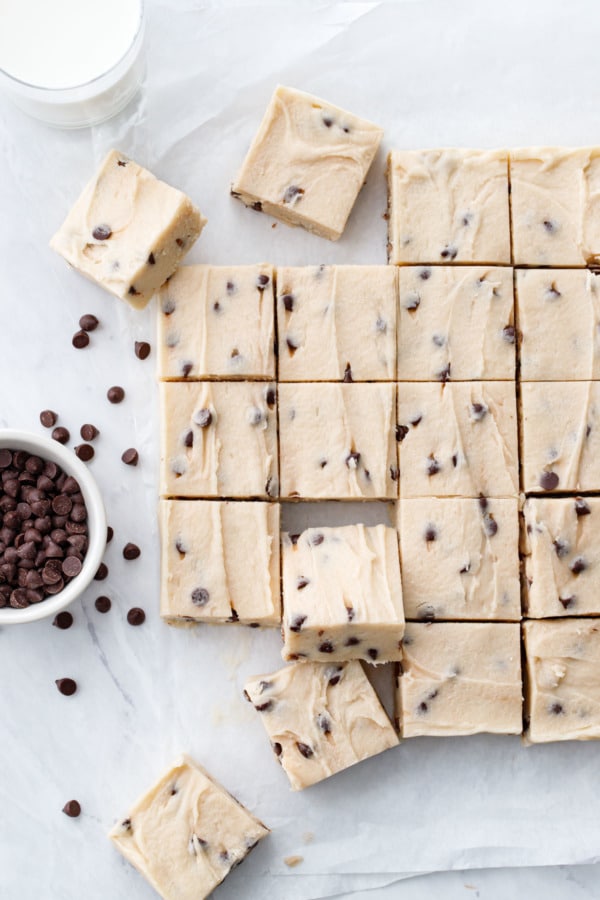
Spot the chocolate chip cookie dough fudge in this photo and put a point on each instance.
(187, 833)
(560, 436)
(128, 231)
(337, 323)
(307, 162)
(320, 718)
(220, 562)
(337, 441)
(562, 680)
(218, 439)
(559, 324)
(460, 678)
(555, 205)
(456, 323)
(342, 595)
(458, 439)
(561, 544)
(448, 206)
(460, 558)
(217, 322)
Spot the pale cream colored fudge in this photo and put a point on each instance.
(458, 439)
(342, 595)
(555, 205)
(128, 231)
(560, 436)
(337, 323)
(460, 678)
(559, 324)
(218, 439)
(220, 562)
(448, 206)
(320, 718)
(563, 680)
(186, 833)
(217, 322)
(460, 558)
(307, 162)
(337, 441)
(562, 556)
(456, 323)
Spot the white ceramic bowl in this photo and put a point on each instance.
(66, 459)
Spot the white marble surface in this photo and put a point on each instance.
(432, 73)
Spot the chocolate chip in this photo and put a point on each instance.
(324, 723)
(264, 707)
(103, 604)
(373, 653)
(552, 292)
(478, 411)
(561, 548)
(490, 525)
(262, 281)
(131, 551)
(132, 290)
(449, 252)
(257, 205)
(509, 334)
(557, 709)
(84, 452)
(578, 565)
(549, 481)
(425, 274)
(347, 374)
(326, 647)
(200, 596)
(550, 225)
(353, 460)
(102, 232)
(109, 534)
(88, 432)
(186, 368)
(288, 302)
(88, 322)
(71, 566)
(130, 457)
(297, 623)
(439, 340)
(277, 748)
(430, 533)
(136, 616)
(352, 642)
(327, 121)
(304, 749)
(581, 507)
(444, 374)
(432, 466)
(48, 419)
(301, 583)
(142, 349)
(63, 620)
(483, 502)
(350, 613)
(80, 340)
(567, 602)
(413, 301)
(115, 394)
(292, 193)
(101, 573)
(72, 809)
(292, 347)
(317, 539)
(203, 418)
(66, 686)
(270, 398)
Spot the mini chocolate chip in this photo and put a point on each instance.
(84, 452)
(373, 653)
(80, 340)
(326, 647)
(130, 457)
(439, 340)
(133, 291)
(292, 193)
(277, 748)
(422, 707)
(478, 411)
(234, 616)
(413, 301)
(151, 259)
(88, 432)
(556, 709)
(186, 368)
(549, 481)
(203, 418)
(322, 463)
(430, 533)
(115, 394)
(324, 723)
(48, 419)
(581, 507)
(561, 548)
(304, 749)
(347, 374)
(297, 623)
(131, 551)
(552, 292)
(264, 707)
(567, 602)
(578, 565)
(102, 232)
(449, 252)
(292, 347)
(353, 460)
(317, 539)
(270, 398)
(88, 322)
(301, 583)
(188, 440)
(257, 205)
(66, 686)
(142, 349)
(103, 604)
(136, 616)
(200, 596)
(509, 334)
(288, 302)
(490, 525)
(352, 642)
(444, 374)
(433, 466)
(63, 620)
(465, 569)
(483, 502)
(262, 281)
(72, 809)
(101, 573)
(327, 121)
(550, 225)
(350, 613)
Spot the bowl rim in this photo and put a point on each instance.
(16, 439)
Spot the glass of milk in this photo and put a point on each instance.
(71, 63)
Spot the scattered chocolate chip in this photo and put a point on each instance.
(203, 418)
(326, 647)
(478, 411)
(581, 507)
(151, 259)
(561, 548)
(84, 452)
(115, 394)
(288, 302)
(102, 232)
(549, 481)
(277, 748)
(262, 281)
(550, 225)
(180, 242)
(186, 368)
(509, 334)
(292, 347)
(317, 539)
(270, 397)
(350, 613)
(71, 566)
(88, 322)
(347, 373)
(63, 620)
(449, 252)
(556, 709)
(48, 419)
(430, 533)
(301, 583)
(413, 301)
(327, 121)
(490, 525)
(101, 573)
(444, 374)
(80, 340)
(66, 686)
(142, 349)
(257, 205)
(425, 274)
(131, 551)
(103, 604)
(292, 194)
(304, 749)
(353, 460)
(264, 707)
(578, 565)
(433, 466)
(136, 616)
(297, 623)
(130, 457)
(439, 340)
(132, 290)
(324, 723)
(88, 432)
(373, 653)
(567, 602)
(200, 596)
(109, 534)
(72, 809)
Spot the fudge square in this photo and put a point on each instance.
(307, 163)
(563, 661)
(320, 718)
(562, 556)
(342, 595)
(218, 439)
(460, 558)
(458, 439)
(456, 323)
(220, 562)
(555, 205)
(187, 833)
(217, 322)
(560, 436)
(337, 441)
(128, 231)
(447, 206)
(559, 319)
(460, 678)
(337, 323)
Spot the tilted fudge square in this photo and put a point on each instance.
(559, 324)
(458, 439)
(218, 439)
(555, 205)
(217, 322)
(337, 441)
(307, 162)
(187, 833)
(337, 323)
(456, 323)
(128, 231)
(460, 558)
(562, 556)
(560, 436)
(448, 206)
(320, 718)
(460, 678)
(562, 686)
(342, 595)
(220, 562)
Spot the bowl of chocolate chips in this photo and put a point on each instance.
(52, 527)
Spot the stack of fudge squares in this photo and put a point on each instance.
(459, 384)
